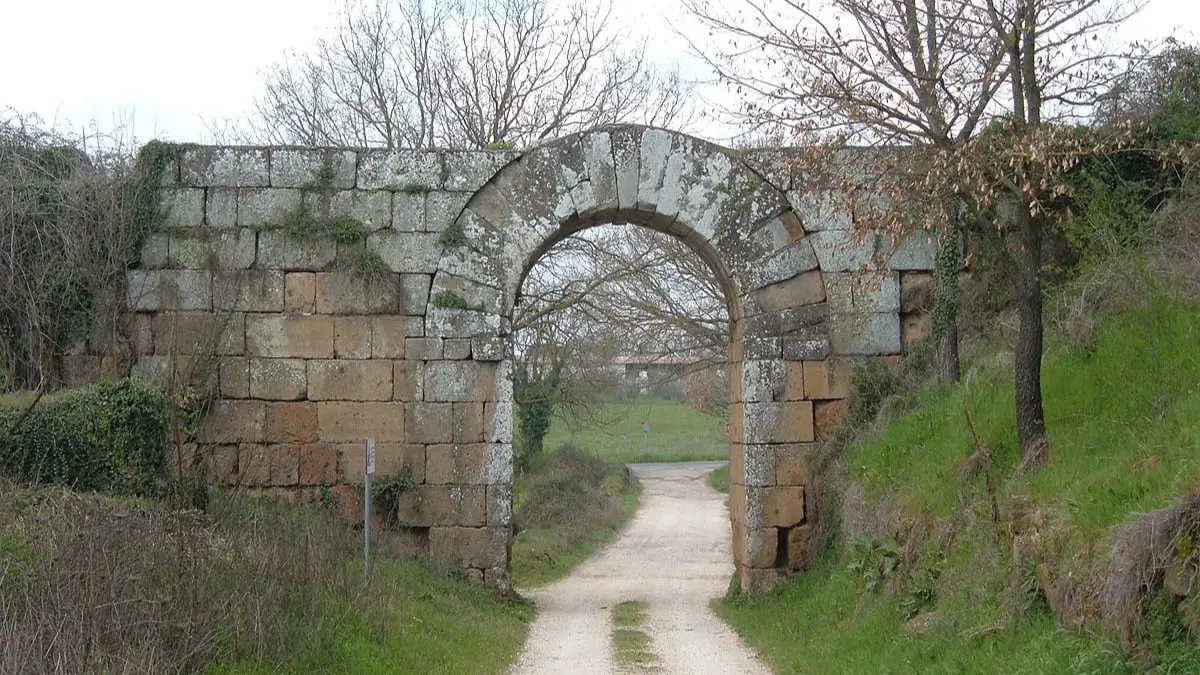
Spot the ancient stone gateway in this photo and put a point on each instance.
(351, 293)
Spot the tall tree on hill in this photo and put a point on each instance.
(980, 93)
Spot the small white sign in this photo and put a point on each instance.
(370, 456)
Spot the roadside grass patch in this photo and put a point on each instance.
(632, 649)
(718, 479)
(678, 433)
(565, 509)
(942, 587)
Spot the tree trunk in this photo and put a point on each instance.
(1027, 361)
(946, 299)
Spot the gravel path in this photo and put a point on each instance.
(674, 555)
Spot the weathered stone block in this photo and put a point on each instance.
(799, 547)
(234, 378)
(442, 208)
(413, 171)
(267, 465)
(783, 506)
(818, 212)
(249, 291)
(408, 211)
(499, 464)
(154, 251)
(345, 293)
(461, 546)
(373, 208)
(156, 290)
(183, 207)
(805, 288)
(292, 422)
(828, 379)
(220, 209)
(460, 323)
(758, 465)
(341, 422)
(455, 381)
(199, 333)
(279, 251)
(429, 423)
(423, 348)
(469, 170)
(414, 293)
(791, 463)
(407, 252)
(391, 459)
(352, 337)
(224, 167)
(805, 348)
(266, 206)
(459, 464)
(761, 379)
(289, 335)
(914, 252)
(499, 505)
(317, 464)
(234, 422)
(827, 415)
(457, 349)
(863, 292)
(300, 292)
(387, 336)
(785, 422)
(278, 379)
(349, 380)
(865, 334)
(793, 383)
(468, 422)
(489, 348)
(301, 167)
(841, 251)
(784, 264)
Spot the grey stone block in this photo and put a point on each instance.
(865, 334)
(371, 207)
(221, 208)
(408, 211)
(914, 252)
(183, 207)
(470, 170)
(266, 206)
(406, 252)
(225, 167)
(442, 208)
(300, 167)
(278, 251)
(411, 171)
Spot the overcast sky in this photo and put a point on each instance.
(170, 66)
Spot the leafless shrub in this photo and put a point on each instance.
(95, 584)
(67, 233)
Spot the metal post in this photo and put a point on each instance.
(369, 468)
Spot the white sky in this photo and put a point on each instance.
(169, 66)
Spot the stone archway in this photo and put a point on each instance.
(745, 230)
(309, 356)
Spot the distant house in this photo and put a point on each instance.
(658, 375)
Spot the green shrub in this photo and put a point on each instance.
(109, 437)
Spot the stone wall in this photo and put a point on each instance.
(340, 294)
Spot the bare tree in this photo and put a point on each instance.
(450, 73)
(929, 76)
(917, 73)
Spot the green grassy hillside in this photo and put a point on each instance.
(934, 583)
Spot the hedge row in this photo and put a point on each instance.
(109, 437)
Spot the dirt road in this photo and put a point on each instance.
(675, 556)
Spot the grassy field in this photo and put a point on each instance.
(677, 433)
(566, 509)
(1124, 415)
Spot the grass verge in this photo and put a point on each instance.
(678, 433)
(565, 510)
(927, 579)
(91, 583)
(718, 479)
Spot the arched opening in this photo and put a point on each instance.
(738, 223)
